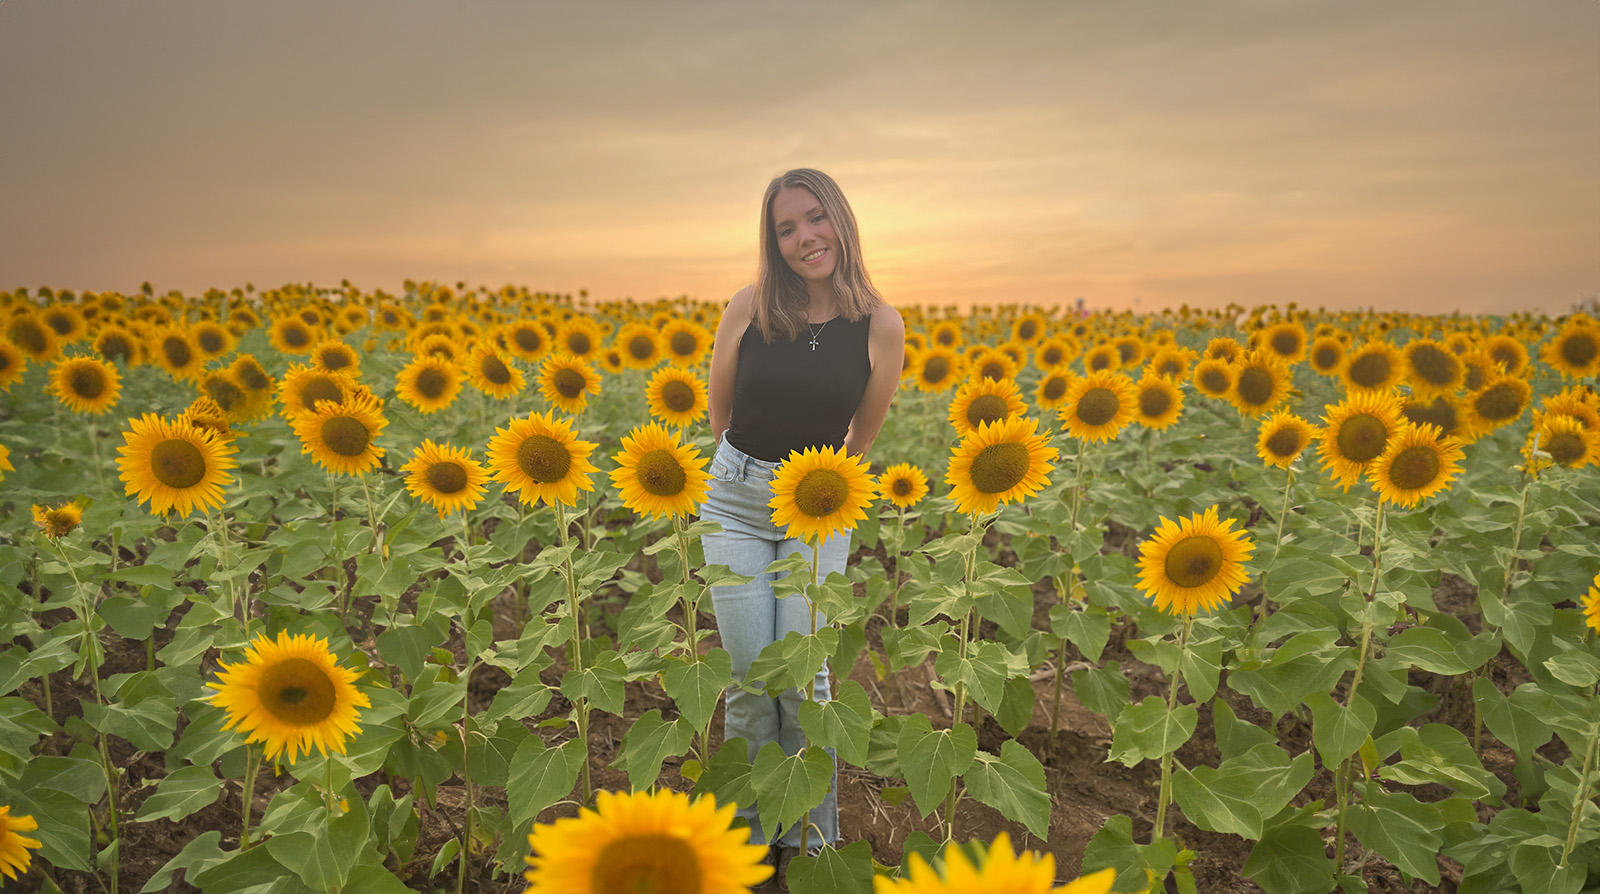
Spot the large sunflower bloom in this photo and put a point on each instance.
(937, 368)
(1194, 565)
(638, 344)
(1158, 402)
(1283, 436)
(1442, 412)
(212, 339)
(565, 381)
(985, 400)
(1375, 366)
(303, 387)
(86, 384)
(12, 364)
(1001, 462)
(342, 437)
(1591, 605)
(1051, 392)
(1285, 341)
(1355, 432)
(5, 462)
(581, 336)
(657, 476)
(819, 492)
(290, 694)
(1509, 352)
(14, 856)
(646, 841)
(1002, 872)
(1416, 464)
(334, 355)
(446, 478)
(538, 458)
(1575, 350)
(676, 396)
(491, 371)
(175, 351)
(1565, 440)
(526, 339)
(174, 466)
(116, 344)
(1499, 402)
(31, 336)
(292, 335)
(903, 484)
(1213, 377)
(1260, 383)
(428, 383)
(685, 342)
(1432, 369)
(59, 521)
(1327, 355)
(1098, 406)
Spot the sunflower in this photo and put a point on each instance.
(565, 381)
(1223, 349)
(1591, 605)
(1509, 352)
(211, 340)
(1260, 383)
(86, 384)
(1130, 350)
(676, 396)
(685, 342)
(1194, 565)
(1000, 462)
(526, 340)
(1499, 402)
(1416, 464)
(1051, 392)
(1575, 350)
(938, 368)
(438, 345)
(446, 478)
(657, 476)
(12, 364)
(1029, 328)
(1477, 369)
(428, 383)
(1564, 440)
(985, 400)
(1375, 366)
(5, 461)
(946, 334)
(204, 414)
(60, 521)
(1285, 341)
(538, 458)
(1355, 432)
(1003, 872)
(903, 484)
(581, 336)
(646, 841)
(1326, 355)
(1098, 405)
(174, 466)
(1431, 369)
(1283, 436)
(303, 387)
(342, 437)
(1051, 353)
(14, 856)
(1102, 358)
(66, 320)
(176, 353)
(637, 342)
(1170, 362)
(291, 335)
(258, 386)
(492, 372)
(819, 492)
(224, 390)
(333, 355)
(1213, 377)
(290, 694)
(116, 344)
(1443, 412)
(1577, 402)
(994, 364)
(1158, 402)
(32, 337)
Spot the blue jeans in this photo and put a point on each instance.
(749, 617)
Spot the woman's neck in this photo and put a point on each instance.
(822, 305)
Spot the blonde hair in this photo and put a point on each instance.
(780, 293)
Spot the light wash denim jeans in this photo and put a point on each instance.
(749, 617)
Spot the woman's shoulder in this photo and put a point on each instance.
(886, 321)
(742, 300)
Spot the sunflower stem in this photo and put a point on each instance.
(1165, 796)
(99, 469)
(1530, 474)
(91, 646)
(580, 705)
(969, 624)
(466, 778)
(1342, 778)
(1288, 485)
(252, 767)
(1055, 708)
(1581, 796)
(378, 546)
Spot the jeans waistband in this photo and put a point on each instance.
(742, 464)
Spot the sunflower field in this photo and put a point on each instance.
(320, 589)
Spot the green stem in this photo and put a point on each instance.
(811, 684)
(466, 777)
(1342, 778)
(899, 551)
(1581, 796)
(91, 644)
(1055, 709)
(969, 625)
(1165, 796)
(1288, 486)
(580, 706)
(252, 766)
(378, 546)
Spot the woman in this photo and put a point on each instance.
(808, 356)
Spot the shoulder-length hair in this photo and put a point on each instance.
(780, 294)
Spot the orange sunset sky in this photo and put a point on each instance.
(1426, 156)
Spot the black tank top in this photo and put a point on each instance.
(788, 395)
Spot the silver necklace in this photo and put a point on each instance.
(817, 331)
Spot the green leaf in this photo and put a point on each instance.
(132, 618)
(147, 724)
(1518, 721)
(847, 870)
(309, 855)
(83, 779)
(788, 786)
(1428, 649)
(147, 575)
(1399, 827)
(1574, 668)
(647, 745)
(1307, 663)
(1290, 859)
(792, 662)
(370, 878)
(63, 832)
(541, 776)
(982, 671)
(910, 646)
(1086, 626)
(1338, 730)
(931, 758)
(601, 682)
(1013, 784)
(196, 857)
(1016, 707)
(843, 723)
(1139, 866)
(727, 776)
(1103, 690)
(1237, 796)
(1441, 754)
(182, 793)
(1234, 736)
(695, 686)
(1148, 730)
(255, 871)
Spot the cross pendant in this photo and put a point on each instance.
(813, 344)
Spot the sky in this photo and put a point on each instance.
(1424, 156)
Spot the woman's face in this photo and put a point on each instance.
(806, 237)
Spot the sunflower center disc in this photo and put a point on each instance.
(993, 370)
(1370, 370)
(648, 864)
(86, 382)
(659, 473)
(1580, 349)
(346, 436)
(1050, 356)
(320, 389)
(1362, 438)
(1565, 448)
(544, 459)
(29, 337)
(527, 339)
(935, 370)
(1154, 402)
(1325, 357)
(569, 382)
(641, 347)
(1285, 344)
(1054, 387)
(59, 323)
(495, 371)
(1170, 369)
(1000, 467)
(821, 492)
(1414, 468)
(901, 487)
(1499, 403)
(683, 344)
(1214, 380)
(210, 341)
(1284, 442)
(1194, 561)
(226, 394)
(1254, 386)
(253, 377)
(1441, 413)
(986, 408)
(177, 351)
(1097, 407)
(677, 396)
(578, 343)
(177, 463)
(1506, 356)
(1027, 329)
(115, 348)
(334, 360)
(1435, 366)
(447, 477)
(296, 691)
(1100, 361)
(295, 337)
(431, 383)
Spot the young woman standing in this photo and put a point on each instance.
(808, 356)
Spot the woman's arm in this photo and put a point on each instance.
(886, 349)
(725, 359)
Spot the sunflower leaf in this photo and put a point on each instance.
(1013, 784)
(647, 745)
(695, 686)
(847, 870)
(843, 723)
(930, 758)
(540, 777)
(1149, 730)
(787, 787)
